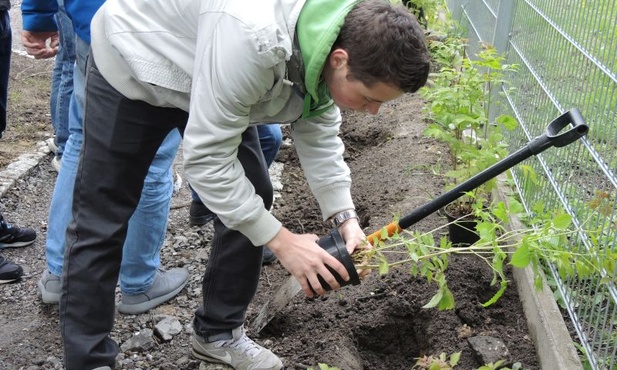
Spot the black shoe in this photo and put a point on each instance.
(199, 214)
(9, 272)
(268, 257)
(14, 237)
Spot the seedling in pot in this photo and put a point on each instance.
(422, 255)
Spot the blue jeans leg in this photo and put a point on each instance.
(62, 78)
(270, 138)
(5, 64)
(60, 214)
(148, 225)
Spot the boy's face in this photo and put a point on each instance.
(353, 94)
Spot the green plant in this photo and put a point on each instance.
(422, 256)
(440, 362)
(493, 366)
(458, 103)
(324, 367)
(425, 10)
(445, 52)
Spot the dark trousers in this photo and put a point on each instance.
(5, 64)
(121, 137)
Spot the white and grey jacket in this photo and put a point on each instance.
(226, 63)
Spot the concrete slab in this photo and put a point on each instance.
(554, 345)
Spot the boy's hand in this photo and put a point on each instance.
(36, 43)
(355, 240)
(306, 260)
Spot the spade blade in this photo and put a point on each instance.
(283, 296)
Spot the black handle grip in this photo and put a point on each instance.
(553, 137)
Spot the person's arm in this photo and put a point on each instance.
(229, 76)
(235, 69)
(320, 151)
(40, 33)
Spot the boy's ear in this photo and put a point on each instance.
(338, 58)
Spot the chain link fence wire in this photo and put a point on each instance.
(566, 52)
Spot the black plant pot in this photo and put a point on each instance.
(333, 244)
(462, 232)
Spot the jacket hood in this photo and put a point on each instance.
(319, 25)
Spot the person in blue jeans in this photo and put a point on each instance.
(62, 83)
(144, 284)
(6, 40)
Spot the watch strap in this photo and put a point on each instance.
(340, 218)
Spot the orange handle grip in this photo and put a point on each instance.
(391, 229)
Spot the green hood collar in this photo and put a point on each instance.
(318, 27)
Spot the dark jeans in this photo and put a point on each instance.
(120, 139)
(5, 64)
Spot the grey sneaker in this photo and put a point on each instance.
(51, 144)
(166, 285)
(241, 352)
(50, 288)
(56, 163)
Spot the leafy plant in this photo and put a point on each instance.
(458, 104)
(425, 10)
(422, 256)
(493, 366)
(440, 362)
(445, 52)
(324, 367)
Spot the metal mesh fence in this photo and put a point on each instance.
(566, 51)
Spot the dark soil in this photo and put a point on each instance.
(378, 325)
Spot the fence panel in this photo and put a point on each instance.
(566, 51)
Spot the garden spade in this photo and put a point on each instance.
(552, 137)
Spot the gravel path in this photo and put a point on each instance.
(30, 337)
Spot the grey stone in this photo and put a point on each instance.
(141, 341)
(167, 328)
(489, 349)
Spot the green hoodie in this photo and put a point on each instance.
(318, 27)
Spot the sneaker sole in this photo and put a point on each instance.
(46, 296)
(15, 245)
(135, 309)
(7, 281)
(207, 358)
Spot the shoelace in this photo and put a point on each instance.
(243, 344)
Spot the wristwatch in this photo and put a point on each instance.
(340, 218)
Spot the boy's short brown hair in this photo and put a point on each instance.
(385, 43)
